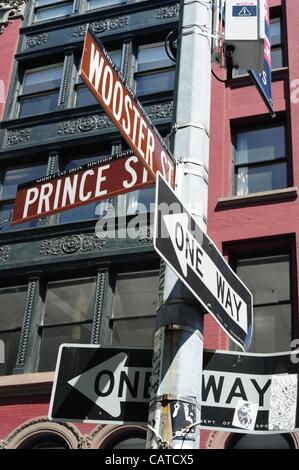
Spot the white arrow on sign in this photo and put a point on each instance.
(190, 253)
(111, 383)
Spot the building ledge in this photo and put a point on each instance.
(257, 198)
(26, 384)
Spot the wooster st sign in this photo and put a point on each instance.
(195, 259)
(92, 182)
(124, 109)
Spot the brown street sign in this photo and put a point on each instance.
(124, 109)
(88, 183)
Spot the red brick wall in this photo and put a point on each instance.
(8, 45)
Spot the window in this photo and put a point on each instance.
(87, 211)
(12, 308)
(84, 97)
(51, 9)
(276, 43)
(260, 162)
(134, 311)
(10, 178)
(40, 90)
(269, 282)
(45, 441)
(155, 72)
(276, 40)
(273, 441)
(104, 3)
(68, 317)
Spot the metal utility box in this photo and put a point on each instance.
(245, 33)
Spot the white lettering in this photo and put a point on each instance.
(85, 197)
(126, 183)
(100, 180)
(31, 198)
(45, 193)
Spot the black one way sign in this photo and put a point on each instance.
(197, 262)
(101, 385)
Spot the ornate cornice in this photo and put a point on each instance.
(10, 10)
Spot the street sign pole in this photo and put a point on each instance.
(178, 345)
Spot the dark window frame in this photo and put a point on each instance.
(44, 7)
(255, 127)
(269, 247)
(151, 71)
(38, 92)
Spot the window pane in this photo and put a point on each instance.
(272, 329)
(85, 97)
(277, 58)
(103, 3)
(85, 212)
(42, 3)
(275, 32)
(56, 11)
(12, 307)
(45, 441)
(70, 301)
(52, 338)
(38, 104)
(261, 178)
(268, 279)
(261, 145)
(49, 77)
(131, 443)
(134, 332)
(140, 201)
(135, 295)
(12, 178)
(5, 213)
(155, 82)
(274, 441)
(11, 342)
(152, 57)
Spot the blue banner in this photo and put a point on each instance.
(263, 81)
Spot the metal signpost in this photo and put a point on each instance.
(197, 262)
(124, 109)
(92, 182)
(101, 385)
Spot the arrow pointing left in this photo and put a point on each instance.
(111, 383)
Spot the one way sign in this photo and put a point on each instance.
(197, 262)
(101, 385)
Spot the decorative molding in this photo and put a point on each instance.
(102, 436)
(20, 136)
(40, 426)
(65, 78)
(146, 235)
(170, 11)
(4, 253)
(53, 163)
(102, 279)
(10, 10)
(109, 24)
(160, 111)
(125, 57)
(71, 244)
(32, 289)
(35, 41)
(84, 124)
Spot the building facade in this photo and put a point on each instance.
(59, 281)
